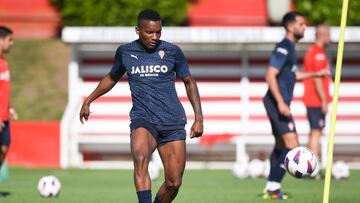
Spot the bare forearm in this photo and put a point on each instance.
(301, 75)
(106, 84)
(274, 88)
(319, 89)
(194, 97)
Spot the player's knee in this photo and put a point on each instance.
(141, 160)
(173, 184)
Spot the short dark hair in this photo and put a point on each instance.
(148, 14)
(5, 31)
(290, 17)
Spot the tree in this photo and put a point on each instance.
(118, 12)
(328, 11)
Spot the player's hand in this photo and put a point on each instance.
(84, 112)
(13, 114)
(197, 129)
(2, 125)
(322, 73)
(324, 107)
(284, 109)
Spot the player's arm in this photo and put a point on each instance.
(13, 114)
(270, 78)
(106, 84)
(301, 75)
(321, 92)
(2, 125)
(194, 97)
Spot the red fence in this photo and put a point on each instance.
(35, 144)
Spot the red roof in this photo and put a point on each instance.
(228, 13)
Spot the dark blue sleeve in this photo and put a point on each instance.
(181, 65)
(278, 57)
(118, 68)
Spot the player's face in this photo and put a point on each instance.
(299, 26)
(326, 36)
(149, 32)
(6, 43)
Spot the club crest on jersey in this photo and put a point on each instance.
(161, 53)
(291, 126)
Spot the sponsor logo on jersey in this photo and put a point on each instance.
(294, 68)
(5, 75)
(149, 70)
(134, 56)
(320, 57)
(282, 50)
(161, 54)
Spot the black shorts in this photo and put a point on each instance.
(316, 117)
(5, 134)
(280, 124)
(161, 133)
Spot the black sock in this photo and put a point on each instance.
(276, 172)
(144, 196)
(157, 200)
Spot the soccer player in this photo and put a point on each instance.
(157, 116)
(281, 76)
(316, 90)
(6, 112)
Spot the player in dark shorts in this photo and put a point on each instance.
(157, 116)
(316, 90)
(6, 112)
(281, 77)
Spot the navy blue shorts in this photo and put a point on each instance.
(316, 117)
(5, 134)
(280, 124)
(161, 133)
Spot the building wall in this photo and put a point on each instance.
(30, 19)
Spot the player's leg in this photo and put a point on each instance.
(314, 141)
(142, 146)
(173, 156)
(4, 147)
(3, 151)
(317, 122)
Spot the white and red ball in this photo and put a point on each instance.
(49, 186)
(301, 162)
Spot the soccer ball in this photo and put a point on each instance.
(301, 162)
(267, 167)
(154, 170)
(340, 170)
(240, 170)
(256, 168)
(49, 186)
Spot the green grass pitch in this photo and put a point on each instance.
(210, 186)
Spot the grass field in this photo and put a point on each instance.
(210, 186)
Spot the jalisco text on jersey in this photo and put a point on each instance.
(149, 69)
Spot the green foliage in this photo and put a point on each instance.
(328, 11)
(118, 12)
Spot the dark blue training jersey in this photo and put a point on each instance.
(284, 58)
(151, 76)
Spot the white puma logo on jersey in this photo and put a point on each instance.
(134, 56)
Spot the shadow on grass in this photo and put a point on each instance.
(4, 194)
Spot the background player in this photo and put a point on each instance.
(157, 116)
(316, 90)
(6, 112)
(281, 77)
